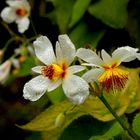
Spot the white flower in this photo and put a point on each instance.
(106, 70)
(17, 11)
(4, 71)
(57, 70)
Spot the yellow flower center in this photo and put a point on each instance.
(21, 12)
(113, 78)
(54, 72)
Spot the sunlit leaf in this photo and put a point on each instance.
(81, 35)
(78, 11)
(46, 120)
(93, 106)
(119, 106)
(136, 124)
(111, 12)
(132, 90)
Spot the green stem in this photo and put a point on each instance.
(8, 43)
(130, 132)
(8, 29)
(33, 26)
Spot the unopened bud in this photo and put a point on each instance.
(60, 120)
(4, 71)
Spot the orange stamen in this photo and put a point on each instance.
(113, 78)
(54, 72)
(21, 12)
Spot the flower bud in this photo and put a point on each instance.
(60, 120)
(4, 71)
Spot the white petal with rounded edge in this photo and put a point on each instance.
(106, 57)
(75, 69)
(54, 84)
(125, 54)
(23, 24)
(76, 89)
(37, 69)
(92, 75)
(8, 15)
(18, 3)
(44, 50)
(35, 88)
(67, 47)
(89, 56)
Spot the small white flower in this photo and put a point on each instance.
(57, 70)
(17, 11)
(4, 71)
(106, 70)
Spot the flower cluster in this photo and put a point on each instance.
(58, 69)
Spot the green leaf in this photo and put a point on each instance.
(78, 11)
(63, 13)
(56, 95)
(92, 106)
(84, 127)
(81, 35)
(136, 124)
(114, 130)
(132, 89)
(111, 12)
(99, 138)
(46, 120)
(25, 67)
(119, 106)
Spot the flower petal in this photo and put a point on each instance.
(75, 69)
(54, 84)
(37, 69)
(23, 24)
(8, 15)
(5, 71)
(44, 50)
(125, 54)
(76, 89)
(67, 48)
(106, 57)
(89, 56)
(35, 88)
(138, 56)
(17, 3)
(92, 75)
(59, 53)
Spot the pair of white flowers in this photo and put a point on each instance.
(17, 11)
(58, 69)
